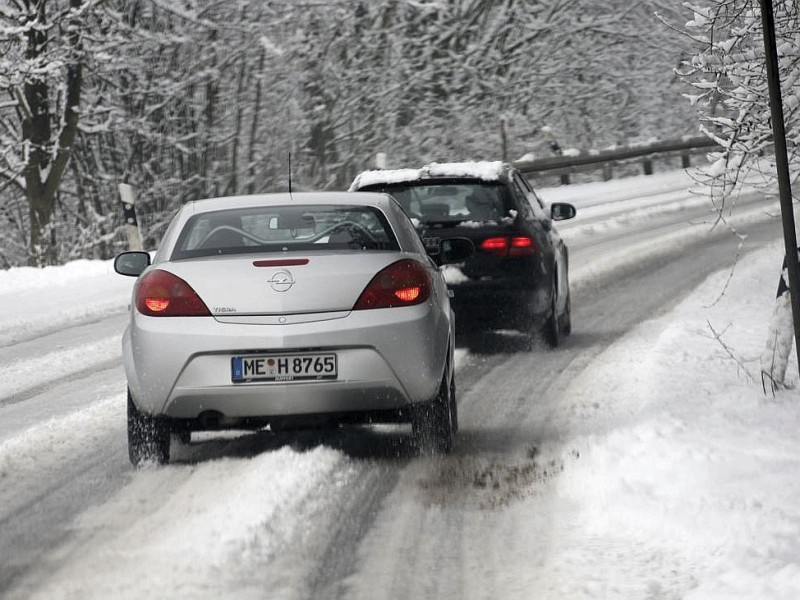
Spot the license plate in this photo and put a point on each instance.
(284, 367)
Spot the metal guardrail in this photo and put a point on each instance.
(607, 159)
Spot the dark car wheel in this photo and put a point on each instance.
(566, 318)
(552, 327)
(148, 437)
(434, 423)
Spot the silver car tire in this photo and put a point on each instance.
(434, 423)
(148, 437)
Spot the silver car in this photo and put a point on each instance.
(289, 310)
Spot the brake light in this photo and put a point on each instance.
(496, 245)
(287, 262)
(522, 246)
(516, 246)
(404, 283)
(162, 294)
(408, 294)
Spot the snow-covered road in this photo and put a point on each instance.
(578, 473)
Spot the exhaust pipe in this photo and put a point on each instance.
(211, 419)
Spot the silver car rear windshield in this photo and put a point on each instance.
(285, 229)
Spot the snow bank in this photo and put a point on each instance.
(153, 540)
(687, 471)
(34, 301)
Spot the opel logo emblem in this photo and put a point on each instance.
(281, 281)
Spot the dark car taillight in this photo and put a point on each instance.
(162, 294)
(521, 245)
(495, 245)
(404, 283)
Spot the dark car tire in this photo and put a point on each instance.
(148, 437)
(566, 318)
(552, 327)
(434, 423)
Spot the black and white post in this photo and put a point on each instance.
(127, 194)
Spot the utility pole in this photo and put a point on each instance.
(782, 164)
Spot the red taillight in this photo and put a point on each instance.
(403, 283)
(522, 246)
(162, 294)
(516, 246)
(408, 294)
(496, 245)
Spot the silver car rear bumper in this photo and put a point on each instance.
(387, 359)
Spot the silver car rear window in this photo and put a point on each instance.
(284, 229)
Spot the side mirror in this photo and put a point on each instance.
(561, 211)
(454, 250)
(131, 263)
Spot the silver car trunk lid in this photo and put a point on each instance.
(290, 284)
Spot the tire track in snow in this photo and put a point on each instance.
(24, 378)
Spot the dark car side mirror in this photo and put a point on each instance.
(131, 263)
(452, 250)
(561, 211)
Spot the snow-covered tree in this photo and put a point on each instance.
(41, 74)
(728, 72)
(170, 98)
(190, 113)
(197, 98)
(427, 81)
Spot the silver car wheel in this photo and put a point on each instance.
(434, 423)
(148, 437)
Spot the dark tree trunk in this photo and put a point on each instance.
(45, 169)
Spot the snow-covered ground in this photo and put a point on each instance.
(684, 458)
(682, 480)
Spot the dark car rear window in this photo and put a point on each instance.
(285, 228)
(451, 201)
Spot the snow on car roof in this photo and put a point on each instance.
(486, 170)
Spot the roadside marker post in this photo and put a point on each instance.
(127, 194)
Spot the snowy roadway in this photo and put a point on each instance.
(614, 467)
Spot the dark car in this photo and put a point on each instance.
(518, 276)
